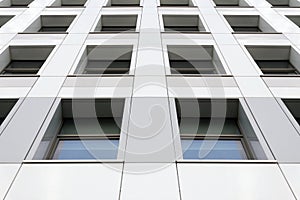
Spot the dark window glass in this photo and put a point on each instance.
(276, 67)
(125, 4)
(118, 28)
(54, 29)
(182, 28)
(213, 149)
(193, 67)
(23, 67)
(6, 105)
(208, 126)
(5, 19)
(107, 67)
(174, 4)
(88, 126)
(246, 29)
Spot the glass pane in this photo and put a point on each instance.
(54, 29)
(88, 126)
(118, 28)
(107, 67)
(208, 126)
(246, 29)
(213, 149)
(86, 149)
(26, 64)
(1, 120)
(182, 28)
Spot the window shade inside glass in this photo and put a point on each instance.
(88, 126)
(208, 126)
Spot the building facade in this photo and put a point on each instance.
(149, 99)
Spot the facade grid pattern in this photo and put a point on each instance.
(240, 44)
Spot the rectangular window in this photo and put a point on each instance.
(117, 23)
(275, 60)
(15, 3)
(183, 23)
(24, 60)
(68, 3)
(211, 134)
(231, 3)
(105, 59)
(200, 59)
(50, 24)
(4, 19)
(123, 2)
(248, 23)
(93, 134)
(176, 3)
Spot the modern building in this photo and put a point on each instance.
(149, 99)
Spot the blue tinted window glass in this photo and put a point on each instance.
(86, 149)
(213, 149)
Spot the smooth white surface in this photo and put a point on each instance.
(67, 182)
(233, 182)
(292, 173)
(7, 174)
(150, 181)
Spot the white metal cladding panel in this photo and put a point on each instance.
(7, 174)
(149, 181)
(232, 182)
(292, 173)
(67, 182)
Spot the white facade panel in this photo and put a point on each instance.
(67, 182)
(233, 182)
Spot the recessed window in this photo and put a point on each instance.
(68, 3)
(83, 129)
(5, 107)
(24, 60)
(51, 23)
(295, 19)
(103, 59)
(275, 60)
(284, 3)
(183, 23)
(248, 23)
(15, 3)
(214, 134)
(200, 59)
(123, 3)
(117, 23)
(294, 107)
(4, 19)
(231, 3)
(176, 3)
